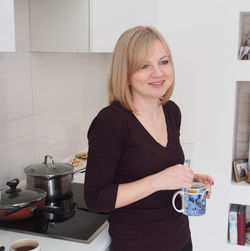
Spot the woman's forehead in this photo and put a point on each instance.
(155, 50)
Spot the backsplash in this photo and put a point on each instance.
(47, 102)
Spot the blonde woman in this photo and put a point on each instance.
(135, 160)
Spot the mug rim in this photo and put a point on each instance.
(19, 242)
(199, 184)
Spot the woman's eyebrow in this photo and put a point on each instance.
(165, 56)
(148, 61)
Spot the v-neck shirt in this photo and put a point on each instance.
(121, 150)
(165, 125)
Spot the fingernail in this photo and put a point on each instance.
(206, 193)
(213, 183)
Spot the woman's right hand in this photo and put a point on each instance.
(174, 177)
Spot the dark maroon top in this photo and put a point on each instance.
(120, 151)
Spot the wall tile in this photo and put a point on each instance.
(56, 130)
(57, 80)
(16, 148)
(96, 68)
(15, 86)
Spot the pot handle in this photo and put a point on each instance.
(52, 162)
(9, 212)
(16, 209)
(81, 170)
(49, 209)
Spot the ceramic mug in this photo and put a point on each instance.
(25, 245)
(193, 200)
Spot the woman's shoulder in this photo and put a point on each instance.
(173, 111)
(172, 107)
(109, 119)
(114, 111)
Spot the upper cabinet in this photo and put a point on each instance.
(59, 25)
(110, 18)
(14, 26)
(85, 25)
(7, 27)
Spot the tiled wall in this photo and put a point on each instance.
(47, 101)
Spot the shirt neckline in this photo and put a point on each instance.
(165, 111)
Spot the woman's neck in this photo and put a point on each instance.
(147, 108)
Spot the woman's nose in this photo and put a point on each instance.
(156, 71)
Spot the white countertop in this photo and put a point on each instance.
(100, 243)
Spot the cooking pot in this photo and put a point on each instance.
(53, 177)
(17, 204)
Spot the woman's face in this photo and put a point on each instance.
(155, 75)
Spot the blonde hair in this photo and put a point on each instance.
(130, 51)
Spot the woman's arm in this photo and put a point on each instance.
(175, 177)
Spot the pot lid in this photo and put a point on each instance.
(49, 169)
(16, 197)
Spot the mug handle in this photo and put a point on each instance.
(181, 193)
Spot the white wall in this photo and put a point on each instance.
(203, 36)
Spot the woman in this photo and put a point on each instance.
(135, 161)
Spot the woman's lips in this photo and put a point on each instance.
(157, 84)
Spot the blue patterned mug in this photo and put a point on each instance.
(193, 200)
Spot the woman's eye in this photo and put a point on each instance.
(164, 62)
(145, 66)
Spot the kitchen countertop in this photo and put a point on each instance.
(100, 243)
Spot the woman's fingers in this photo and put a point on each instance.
(206, 179)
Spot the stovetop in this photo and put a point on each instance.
(83, 226)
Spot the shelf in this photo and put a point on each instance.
(233, 247)
(242, 71)
(241, 183)
(239, 194)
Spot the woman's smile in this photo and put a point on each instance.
(157, 84)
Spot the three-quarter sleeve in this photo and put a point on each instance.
(105, 138)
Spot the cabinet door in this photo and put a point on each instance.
(59, 25)
(7, 27)
(109, 18)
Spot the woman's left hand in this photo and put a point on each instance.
(205, 179)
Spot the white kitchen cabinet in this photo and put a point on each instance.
(59, 25)
(109, 18)
(7, 28)
(85, 25)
